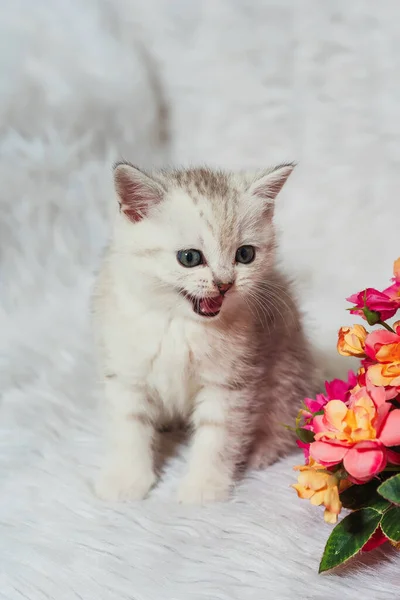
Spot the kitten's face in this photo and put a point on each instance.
(204, 239)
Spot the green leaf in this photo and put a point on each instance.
(305, 435)
(362, 496)
(390, 524)
(348, 537)
(390, 489)
(372, 316)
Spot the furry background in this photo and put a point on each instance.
(228, 82)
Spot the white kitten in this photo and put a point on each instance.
(194, 323)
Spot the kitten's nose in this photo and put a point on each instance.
(224, 287)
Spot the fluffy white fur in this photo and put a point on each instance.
(248, 84)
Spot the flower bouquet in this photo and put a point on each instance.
(351, 434)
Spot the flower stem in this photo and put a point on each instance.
(386, 326)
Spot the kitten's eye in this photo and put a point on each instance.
(190, 258)
(245, 254)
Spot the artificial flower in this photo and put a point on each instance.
(383, 347)
(354, 426)
(364, 381)
(375, 301)
(335, 389)
(361, 379)
(393, 291)
(320, 486)
(396, 270)
(357, 434)
(339, 389)
(351, 341)
(315, 404)
(306, 450)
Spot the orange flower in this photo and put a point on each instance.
(351, 341)
(384, 347)
(393, 292)
(348, 424)
(320, 487)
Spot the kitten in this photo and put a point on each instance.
(195, 323)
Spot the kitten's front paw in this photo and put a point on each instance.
(196, 490)
(124, 484)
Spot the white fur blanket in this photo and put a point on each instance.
(230, 82)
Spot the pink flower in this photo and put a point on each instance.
(357, 434)
(394, 290)
(386, 303)
(337, 389)
(306, 450)
(375, 301)
(315, 405)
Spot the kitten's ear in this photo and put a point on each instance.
(137, 192)
(269, 185)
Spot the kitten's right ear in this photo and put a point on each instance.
(268, 186)
(137, 192)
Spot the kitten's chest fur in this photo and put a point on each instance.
(172, 357)
(172, 378)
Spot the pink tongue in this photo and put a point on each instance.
(211, 305)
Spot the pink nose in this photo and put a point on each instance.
(224, 287)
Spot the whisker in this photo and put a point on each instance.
(264, 314)
(277, 293)
(286, 317)
(270, 298)
(262, 308)
(276, 286)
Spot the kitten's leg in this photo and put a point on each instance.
(270, 443)
(265, 451)
(128, 473)
(213, 455)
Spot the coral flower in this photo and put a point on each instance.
(320, 487)
(393, 292)
(396, 270)
(357, 434)
(351, 341)
(384, 347)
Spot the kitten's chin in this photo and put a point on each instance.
(207, 307)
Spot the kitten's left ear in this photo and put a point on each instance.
(269, 185)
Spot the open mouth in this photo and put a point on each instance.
(206, 307)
